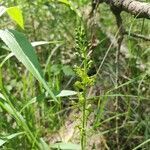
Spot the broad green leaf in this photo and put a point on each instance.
(25, 53)
(66, 146)
(15, 14)
(65, 93)
(2, 10)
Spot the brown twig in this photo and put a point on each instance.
(135, 35)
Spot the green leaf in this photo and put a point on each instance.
(38, 43)
(43, 144)
(25, 53)
(6, 58)
(15, 14)
(8, 108)
(29, 103)
(65, 2)
(72, 6)
(2, 96)
(68, 71)
(66, 146)
(65, 93)
(9, 137)
(56, 69)
(2, 142)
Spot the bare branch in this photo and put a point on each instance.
(136, 8)
(135, 35)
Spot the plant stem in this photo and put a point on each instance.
(84, 106)
(84, 120)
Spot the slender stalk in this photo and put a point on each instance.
(84, 105)
(85, 80)
(121, 30)
(84, 120)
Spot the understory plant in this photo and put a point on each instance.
(85, 81)
(17, 45)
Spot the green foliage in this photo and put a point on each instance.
(9, 137)
(16, 14)
(65, 93)
(58, 69)
(85, 80)
(72, 6)
(66, 146)
(82, 51)
(24, 52)
(65, 36)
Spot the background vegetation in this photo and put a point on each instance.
(111, 108)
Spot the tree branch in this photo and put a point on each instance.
(137, 36)
(136, 8)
